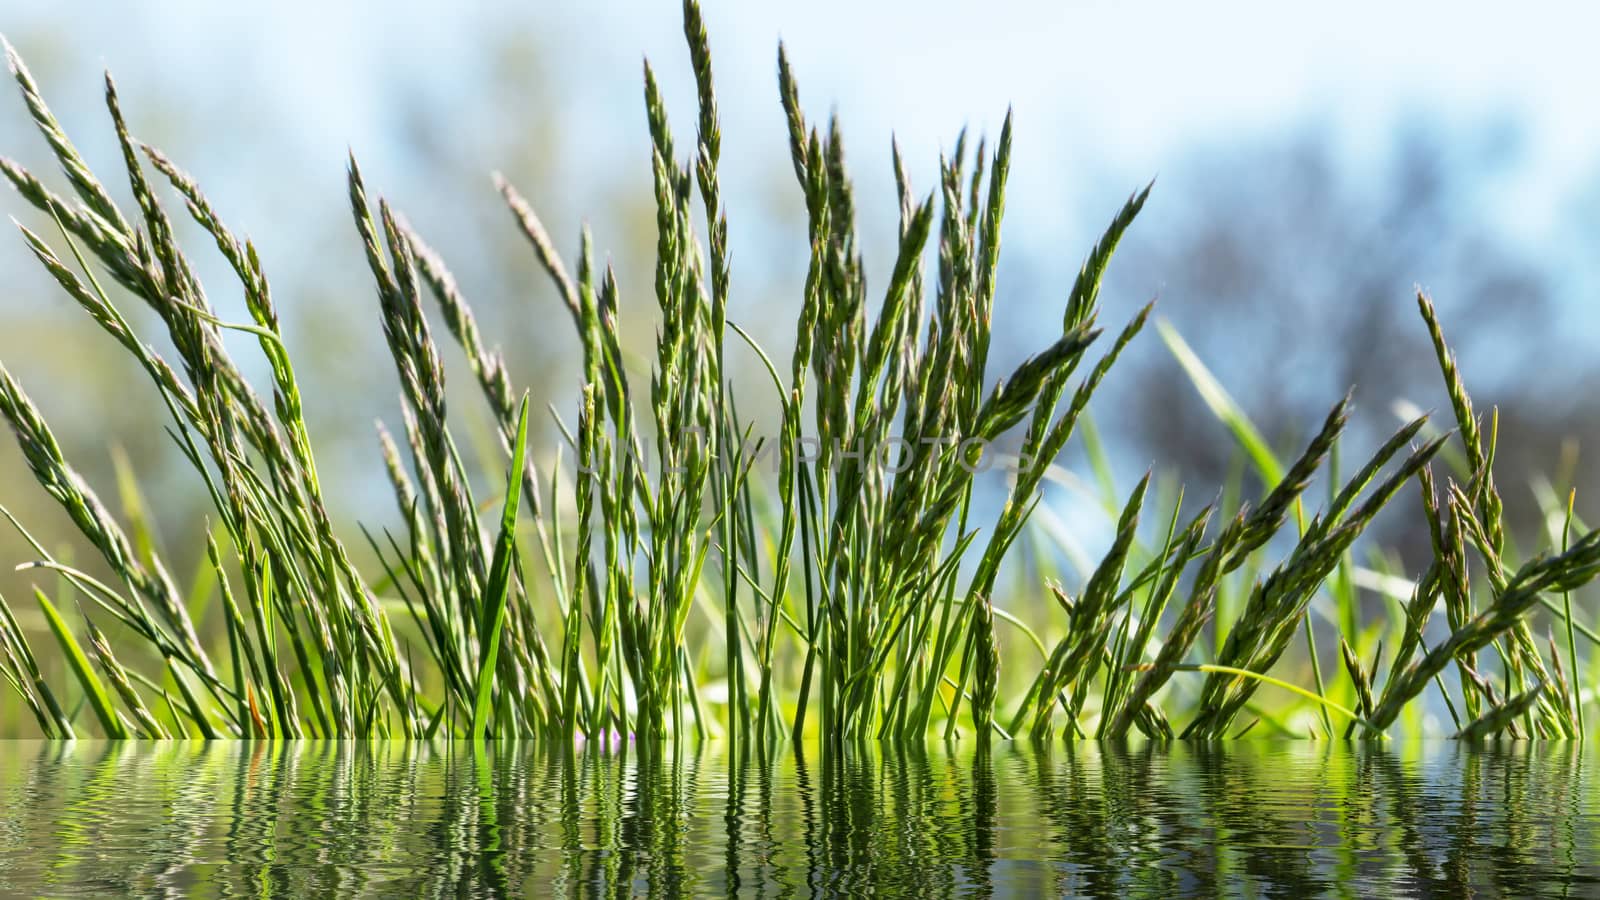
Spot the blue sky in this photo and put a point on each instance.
(1126, 85)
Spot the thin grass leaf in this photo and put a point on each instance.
(93, 690)
(498, 588)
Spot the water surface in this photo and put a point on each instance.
(377, 819)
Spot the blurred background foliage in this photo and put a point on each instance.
(1304, 190)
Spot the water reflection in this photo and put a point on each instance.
(352, 819)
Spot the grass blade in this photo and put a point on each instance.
(498, 588)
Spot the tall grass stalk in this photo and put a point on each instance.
(863, 598)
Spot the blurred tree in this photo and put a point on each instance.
(1290, 265)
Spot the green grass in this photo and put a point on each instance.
(851, 601)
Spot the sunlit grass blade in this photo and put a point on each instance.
(93, 690)
(498, 588)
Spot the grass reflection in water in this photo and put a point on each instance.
(98, 819)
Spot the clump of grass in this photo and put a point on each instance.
(858, 600)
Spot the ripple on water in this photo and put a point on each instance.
(381, 819)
